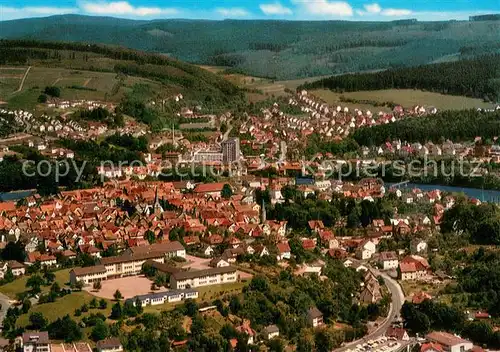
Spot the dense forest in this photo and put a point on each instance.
(454, 125)
(276, 49)
(477, 78)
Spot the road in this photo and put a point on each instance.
(396, 304)
(24, 79)
(6, 304)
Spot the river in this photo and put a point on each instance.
(482, 195)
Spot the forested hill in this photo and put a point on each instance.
(457, 126)
(277, 49)
(479, 78)
(191, 80)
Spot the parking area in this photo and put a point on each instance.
(196, 263)
(129, 287)
(382, 344)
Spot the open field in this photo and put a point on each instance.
(19, 285)
(62, 306)
(410, 288)
(74, 84)
(405, 97)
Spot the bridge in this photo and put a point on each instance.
(397, 185)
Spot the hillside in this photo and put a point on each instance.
(478, 78)
(104, 72)
(277, 49)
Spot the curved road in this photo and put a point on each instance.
(6, 304)
(396, 304)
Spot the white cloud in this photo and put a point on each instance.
(7, 12)
(232, 12)
(396, 12)
(326, 8)
(275, 9)
(124, 8)
(373, 8)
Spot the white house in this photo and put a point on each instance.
(388, 260)
(366, 250)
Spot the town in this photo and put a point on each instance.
(185, 217)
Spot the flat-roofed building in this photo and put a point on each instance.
(213, 276)
(165, 297)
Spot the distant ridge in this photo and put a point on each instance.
(274, 48)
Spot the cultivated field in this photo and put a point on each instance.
(74, 85)
(405, 97)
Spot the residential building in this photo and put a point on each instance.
(314, 317)
(366, 250)
(36, 341)
(271, 332)
(213, 276)
(398, 333)
(111, 344)
(388, 260)
(450, 342)
(418, 246)
(413, 268)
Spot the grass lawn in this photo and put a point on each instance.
(62, 306)
(405, 97)
(412, 287)
(19, 285)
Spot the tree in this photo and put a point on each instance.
(49, 277)
(116, 311)
(26, 306)
(93, 303)
(117, 295)
(9, 275)
(100, 331)
(37, 321)
(191, 307)
(103, 304)
(65, 329)
(227, 191)
(13, 251)
(79, 285)
(276, 345)
(34, 283)
(138, 305)
(42, 98)
(97, 285)
(53, 91)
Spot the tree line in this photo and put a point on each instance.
(461, 125)
(474, 78)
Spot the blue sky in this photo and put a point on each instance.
(254, 9)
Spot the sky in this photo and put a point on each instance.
(354, 10)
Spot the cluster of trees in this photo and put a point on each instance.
(129, 142)
(428, 315)
(457, 126)
(481, 223)
(17, 177)
(101, 115)
(476, 78)
(298, 210)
